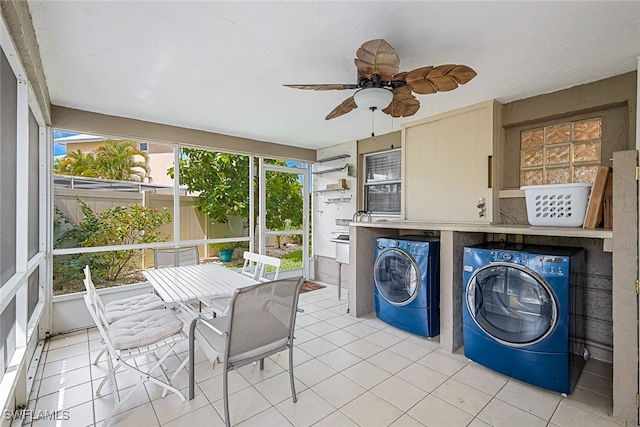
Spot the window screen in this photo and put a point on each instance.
(8, 334)
(34, 183)
(33, 295)
(8, 155)
(382, 184)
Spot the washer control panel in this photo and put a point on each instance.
(508, 256)
(541, 264)
(549, 265)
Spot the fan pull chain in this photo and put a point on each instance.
(391, 116)
(373, 110)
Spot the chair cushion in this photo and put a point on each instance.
(212, 343)
(116, 310)
(143, 329)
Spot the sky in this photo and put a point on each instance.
(60, 149)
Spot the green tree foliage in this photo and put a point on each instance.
(119, 225)
(114, 159)
(222, 181)
(284, 202)
(76, 163)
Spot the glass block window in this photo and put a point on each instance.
(383, 182)
(561, 153)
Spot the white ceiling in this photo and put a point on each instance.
(220, 66)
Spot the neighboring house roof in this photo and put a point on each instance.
(81, 137)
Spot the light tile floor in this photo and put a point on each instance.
(349, 372)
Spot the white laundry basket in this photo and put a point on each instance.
(557, 205)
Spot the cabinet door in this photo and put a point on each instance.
(447, 166)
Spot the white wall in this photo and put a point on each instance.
(325, 214)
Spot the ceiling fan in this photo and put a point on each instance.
(381, 86)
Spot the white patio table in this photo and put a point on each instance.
(195, 282)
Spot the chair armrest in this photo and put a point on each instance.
(205, 323)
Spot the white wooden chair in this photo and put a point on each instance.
(152, 333)
(260, 322)
(119, 309)
(266, 260)
(255, 266)
(252, 266)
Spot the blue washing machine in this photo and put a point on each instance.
(523, 312)
(407, 283)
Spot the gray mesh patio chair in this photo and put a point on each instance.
(176, 257)
(260, 322)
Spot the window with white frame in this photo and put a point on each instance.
(22, 215)
(8, 195)
(204, 200)
(383, 182)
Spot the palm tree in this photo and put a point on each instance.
(76, 163)
(114, 159)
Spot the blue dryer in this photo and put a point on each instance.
(407, 283)
(523, 312)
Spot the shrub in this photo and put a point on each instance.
(119, 225)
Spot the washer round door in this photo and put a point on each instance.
(396, 276)
(512, 304)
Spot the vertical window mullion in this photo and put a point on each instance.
(43, 196)
(177, 152)
(22, 211)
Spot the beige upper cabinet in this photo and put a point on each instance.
(450, 164)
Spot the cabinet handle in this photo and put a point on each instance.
(489, 171)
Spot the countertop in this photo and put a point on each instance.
(597, 233)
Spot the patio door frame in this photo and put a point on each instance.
(262, 203)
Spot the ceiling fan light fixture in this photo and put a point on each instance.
(373, 98)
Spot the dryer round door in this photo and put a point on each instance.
(397, 276)
(512, 304)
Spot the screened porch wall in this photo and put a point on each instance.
(23, 212)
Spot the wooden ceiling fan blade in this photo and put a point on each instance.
(443, 78)
(441, 70)
(417, 80)
(384, 72)
(402, 92)
(443, 83)
(462, 74)
(376, 57)
(404, 104)
(346, 106)
(449, 76)
(423, 87)
(324, 86)
(399, 77)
